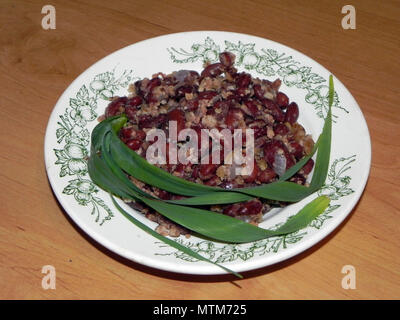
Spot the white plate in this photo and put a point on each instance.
(303, 80)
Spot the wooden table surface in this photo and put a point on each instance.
(37, 65)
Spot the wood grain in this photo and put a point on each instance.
(37, 65)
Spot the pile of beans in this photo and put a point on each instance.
(219, 98)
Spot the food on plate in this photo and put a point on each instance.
(216, 99)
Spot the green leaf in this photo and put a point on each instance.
(305, 215)
(280, 191)
(213, 198)
(168, 241)
(324, 150)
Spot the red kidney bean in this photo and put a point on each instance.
(308, 167)
(214, 181)
(126, 133)
(227, 58)
(298, 178)
(210, 112)
(233, 117)
(292, 113)
(248, 120)
(274, 109)
(150, 98)
(272, 148)
(240, 94)
(243, 80)
(182, 90)
(282, 100)
(253, 175)
(222, 104)
(266, 175)
(115, 107)
(252, 106)
(147, 121)
(223, 108)
(207, 95)
(140, 135)
(159, 120)
(280, 128)
(138, 87)
(206, 171)
(244, 208)
(233, 99)
(258, 92)
(231, 210)
(297, 149)
(231, 72)
(191, 105)
(134, 144)
(275, 85)
(178, 116)
(289, 160)
(192, 77)
(131, 113)
(155, 82)
(250, 207)
(259, 132)
(213, 70)
(135, 101)
(162, 194)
